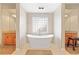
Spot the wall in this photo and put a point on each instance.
(29, 22)
(0, 26)
(58, 28)
(18, 26)
(6, 21)
(71, 22)
(8, 24)
(51, 23)
(23, 25)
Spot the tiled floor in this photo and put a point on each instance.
(54, 50)
(70, 50)
(7, 49)
(38, 52)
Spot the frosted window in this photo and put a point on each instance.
(40, 25)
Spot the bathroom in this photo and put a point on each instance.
(71, 20)
(40, 26)
(31, 27)
(7, 28)
(27, 26)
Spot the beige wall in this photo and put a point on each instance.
(29, 22)
(18, 26)
(21, 41)
(21, 24)
(63, 26)
(0, 26)
(7, 23)
(59, 27)
(50, 22)
(71, 22)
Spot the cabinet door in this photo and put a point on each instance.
(13, 38)
(9, 38)
(6, 38)
(72, 34)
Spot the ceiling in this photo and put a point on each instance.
(72, 5)
(9, 5)
(71, 8)
(44, 7)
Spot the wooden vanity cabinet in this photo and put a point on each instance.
(9, 38)
(71, 35)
